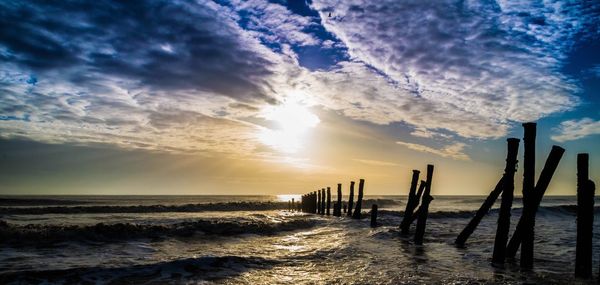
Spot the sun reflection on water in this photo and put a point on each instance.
(288, 197)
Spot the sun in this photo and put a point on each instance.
(293, 120)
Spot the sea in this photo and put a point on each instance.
(258, 240)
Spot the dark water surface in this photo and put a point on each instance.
(254, 240)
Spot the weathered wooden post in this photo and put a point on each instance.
(483, 210)
(323, 203)
(425, 200)
(328, 201)
(315, 202)
(528, 192)
(410, 203)
(358, 208)
(416, 214)
(319, 201)
(508, 187)
(351, 199)
(527, 219)
(585, 218)
(338, 210)
(374, 215)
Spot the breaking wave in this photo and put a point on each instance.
(232, 206)
(35, 234)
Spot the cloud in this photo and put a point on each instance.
(492, 62)
(375, 162)
(576, 129)
(193, 76)
(454, 151)
(166, 45)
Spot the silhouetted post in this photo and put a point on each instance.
(351, 199)
(585, 218)
(410, 203)
(483, 210)
(537, 195)
(526, 224)
(374, 215)
(528, 212)
(358, 209)
(293, 205)
(323, 197)
(508, 188)
(337, 211)
(425, 200)
(315, 202)
(416, 214)
(345, 208)
(328, 201)
(319, 201)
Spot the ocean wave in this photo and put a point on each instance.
(211, 268)
(544, 210)
(35, 234)
(232, 206)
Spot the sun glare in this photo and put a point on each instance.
(293, 120)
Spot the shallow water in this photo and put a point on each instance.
(277, 246)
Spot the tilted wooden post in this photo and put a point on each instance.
(483, 210)
(351, 199)
(358, 208)
(338, 210)
(410, 203)
(416, 214)
(585, 218)
(328, 201)
(425, 200)
(374, 215)
(527, 220)
(508, 188)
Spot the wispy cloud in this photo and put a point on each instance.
(375, 162)
(454, 151)
(467, 61)
(576, 129)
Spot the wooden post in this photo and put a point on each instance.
(323, 204)
(483, 210)
(319, 201)
(338, 210)
(293, 205)
(411, 203)
(351, 199)
(328, 201)
(374, 215)
(508, 187)
(425, 200)
(585, 218)
(358, 209)
(528, 212)
(416, 214)
(315, 202)
(526, 224)
(345, 208)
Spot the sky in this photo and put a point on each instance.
(269, 97)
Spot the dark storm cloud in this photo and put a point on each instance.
(158, 44)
